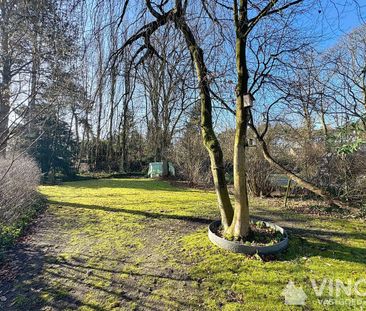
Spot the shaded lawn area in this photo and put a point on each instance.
(138, 244)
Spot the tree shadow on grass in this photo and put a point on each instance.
(309, 242)
(28, 290)
(46, 280)
(322, 246)
(312, 243)
(82, 268)
(298, 226)
(137, 184)
(153, 215)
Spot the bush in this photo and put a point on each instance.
(191, 159)
(19, 199)
(259, 174)
(19, 180)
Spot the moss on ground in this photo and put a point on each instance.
(139, 244)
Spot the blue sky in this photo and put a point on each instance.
(335, 18)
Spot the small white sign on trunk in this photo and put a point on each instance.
(248, 100)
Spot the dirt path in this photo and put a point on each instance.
(67, 263)
(132, 281)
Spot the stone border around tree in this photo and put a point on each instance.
(237, 247)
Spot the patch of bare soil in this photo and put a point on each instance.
(34, 271)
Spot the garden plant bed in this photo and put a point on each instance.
(264, 238)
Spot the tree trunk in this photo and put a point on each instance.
(100, 100)
(113, 77)
(4, 120)
(364, 86)
(5, 84)
(165, 169)
(111, 115)
(288, 188)
(124, 153)
(34, 73)
(240, 225)
(124, 124)
(322, 119)
(209, 138)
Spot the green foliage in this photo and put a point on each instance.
(351, 147)
(54, 148)
(348, 139)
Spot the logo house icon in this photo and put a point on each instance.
(294, 295)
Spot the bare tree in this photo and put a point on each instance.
(246, 18)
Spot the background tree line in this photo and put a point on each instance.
(75, 101)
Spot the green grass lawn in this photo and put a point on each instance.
(138, 244)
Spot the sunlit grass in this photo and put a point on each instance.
(105, 226)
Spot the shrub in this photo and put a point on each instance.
(259, 174)
(19, 180)
(191, 159)
(19, 199)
